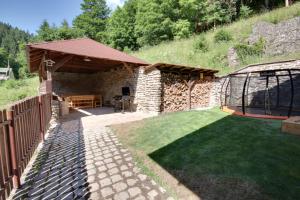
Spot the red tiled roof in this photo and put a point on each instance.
(87, 47)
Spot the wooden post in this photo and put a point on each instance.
(13, 150)
(190, 85)
(41, 118)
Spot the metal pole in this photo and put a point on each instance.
(278, 92)
(243, 95)
(13, 150)
(292, 93)
(266, 91)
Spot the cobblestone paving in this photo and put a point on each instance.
(82, 162)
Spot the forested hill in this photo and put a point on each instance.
(11, 37)
(12, 42)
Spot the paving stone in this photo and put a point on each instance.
(113, 171)
(142, 177)
(95, 196)
(152, 194)
(99, 163)
(121, 196)
(94, 187)
(123, 167)
(108, 160)
(127, 173)
(170, 198)
(120, 186)
(131, 182)
(105, 182)
(102, 175)
(140, 197)
(106, 192)
(91, 171)
(116, 178)
(111, 165)
(102, 168)
(134, 191)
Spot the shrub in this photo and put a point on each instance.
(244, 50)
(182, 29)
(201, 44)
(223, 36)
(245, 12)
(14, 84)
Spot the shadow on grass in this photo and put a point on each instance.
(59, 171)
(235, 158)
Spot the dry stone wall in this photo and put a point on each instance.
(280, 38)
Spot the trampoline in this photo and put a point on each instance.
(264, 94)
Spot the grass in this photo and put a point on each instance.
(182, 52)
(219, 156)
(14, 90)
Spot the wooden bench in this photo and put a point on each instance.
(85, 101)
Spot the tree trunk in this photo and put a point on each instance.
(287, 3)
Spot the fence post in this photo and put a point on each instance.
(41, 118)
(13, 150)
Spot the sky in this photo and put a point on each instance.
(29, 14)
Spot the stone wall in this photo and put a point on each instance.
(145, 89)
(66, 84)
(280, 38)
(149, 90)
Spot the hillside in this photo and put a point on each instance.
(183, 51)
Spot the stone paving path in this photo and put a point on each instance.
(82, 162)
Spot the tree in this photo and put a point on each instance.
(64, 32)
(93, 19)
(46, 32)
(152, 25)
(194, 11)
(121, 27)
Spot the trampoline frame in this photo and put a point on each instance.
(290, 73)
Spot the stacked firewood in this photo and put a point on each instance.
(201, 93)
(175, 92)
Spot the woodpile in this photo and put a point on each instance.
(175, 92)
(201, 93)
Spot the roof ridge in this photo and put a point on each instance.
(63, 40)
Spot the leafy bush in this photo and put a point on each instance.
(182, 29)
(201, 44)
(245, 12)
(244, 50)
(223, 36)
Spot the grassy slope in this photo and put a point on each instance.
(181, 52)
(220, 156)
(14, 90)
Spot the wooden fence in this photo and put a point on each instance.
(22, 127)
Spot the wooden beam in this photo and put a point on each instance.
(190, 85)
(129, 69)
(61, 62)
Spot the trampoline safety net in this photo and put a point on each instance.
(274, 93)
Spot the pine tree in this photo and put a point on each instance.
(93, 19)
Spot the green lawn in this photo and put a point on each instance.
(219, 156)
(14, 90)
